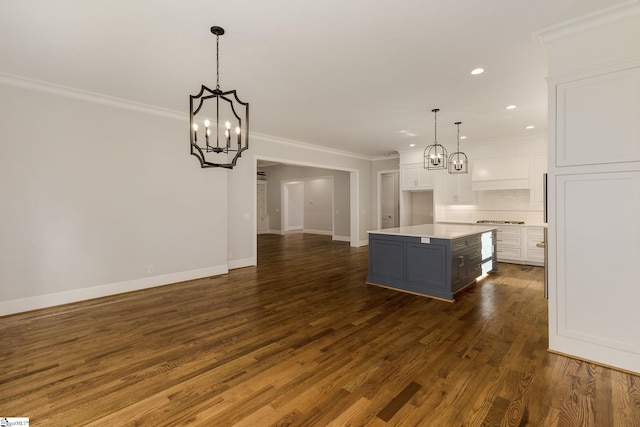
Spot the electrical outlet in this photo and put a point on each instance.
(150, 269)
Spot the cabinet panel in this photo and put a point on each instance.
(416, 177)
(585, 133)
(509, 244)
(598, 258)
(455, 188)
(534, 255)
(386, 258)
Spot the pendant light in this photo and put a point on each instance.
(435, 155)
(224, 120)
(458, 162)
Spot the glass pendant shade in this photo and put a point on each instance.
(435, 155)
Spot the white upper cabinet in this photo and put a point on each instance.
(500, 173)
(416, 177)
(454, 188)
(597, 119)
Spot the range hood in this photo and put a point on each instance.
(500, 173)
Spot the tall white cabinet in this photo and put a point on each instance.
(594, 194)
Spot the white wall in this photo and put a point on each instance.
(318, 205)
(99, 196)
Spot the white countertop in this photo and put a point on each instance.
(436, 231)
(528, 224)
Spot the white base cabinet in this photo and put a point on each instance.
(534, 254)
(509, 244)
(517, 244)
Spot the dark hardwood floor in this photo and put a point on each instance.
(302, 340)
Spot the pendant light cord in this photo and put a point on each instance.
(435, 125)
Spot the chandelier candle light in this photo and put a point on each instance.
(458, 162)
(227, 108)
(435, 155)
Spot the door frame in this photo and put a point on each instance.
(379, 196)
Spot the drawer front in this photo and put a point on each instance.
(458, 245)
(509, 253)
(509, 231)
(508, 242)
(465, 244)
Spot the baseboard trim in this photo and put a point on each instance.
(50, 300)
(363, 243)
(342, 238)
(240, 263)
(321, 232)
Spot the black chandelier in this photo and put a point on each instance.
(222, 115)
(435, 155)
(458, 162)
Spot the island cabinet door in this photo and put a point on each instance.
(386, 259)
(426, 266)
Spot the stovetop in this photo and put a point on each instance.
(493, 221)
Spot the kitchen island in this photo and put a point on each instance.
(434, 260)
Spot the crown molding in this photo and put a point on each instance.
(84, 95)
(592, 20)
(319, 148)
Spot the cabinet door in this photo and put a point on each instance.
(416, 177)
(597, 267)
(426, 178)
(456, 188)
(534, 255)
(408, 177)
(585, 134)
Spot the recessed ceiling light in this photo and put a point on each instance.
(511, 107)
(530, 127)
(477, 71)
(412, 145)
(463, 137)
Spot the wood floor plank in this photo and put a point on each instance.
(301, 340)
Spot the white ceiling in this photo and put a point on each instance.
(356, 75)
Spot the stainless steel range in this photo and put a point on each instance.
(493, 221)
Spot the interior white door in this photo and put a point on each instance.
(389, 200)
(294, 206)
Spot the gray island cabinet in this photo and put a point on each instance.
(433, 260)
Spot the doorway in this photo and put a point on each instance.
(389, 199)
(293, 209)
